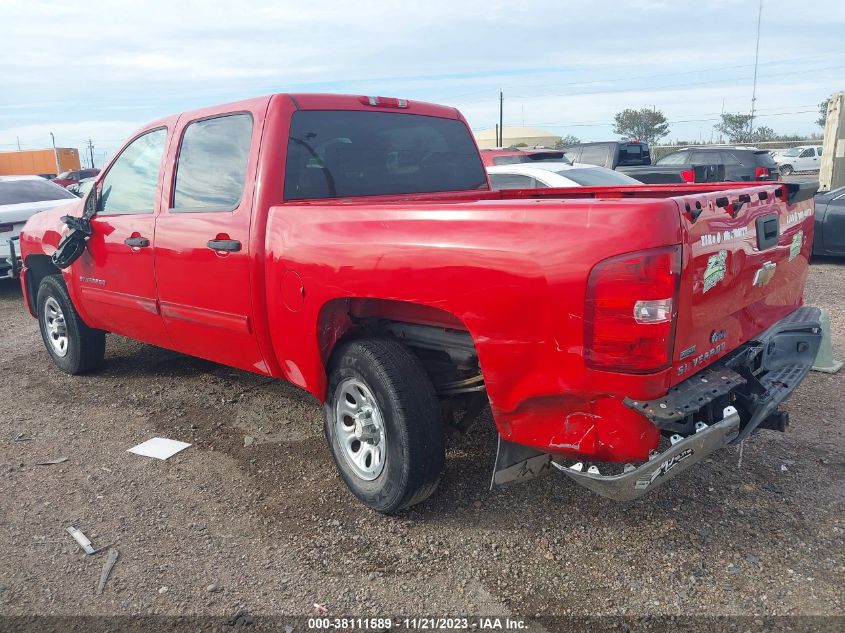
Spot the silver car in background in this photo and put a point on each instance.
(21, 197)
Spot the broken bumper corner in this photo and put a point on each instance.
(683, 453)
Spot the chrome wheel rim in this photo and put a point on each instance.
(55, 327)
(359, 429)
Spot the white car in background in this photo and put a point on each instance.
(20, 198)
(540, 175)
(804, 158)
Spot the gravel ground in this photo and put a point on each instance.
(266, 524)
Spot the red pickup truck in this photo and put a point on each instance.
(352, 246)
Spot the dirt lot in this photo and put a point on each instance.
(272, 528)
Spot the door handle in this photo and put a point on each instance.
(137, 242)
(224, 245)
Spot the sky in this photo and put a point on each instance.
(100, 70)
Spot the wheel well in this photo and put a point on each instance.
(438, 338)
(38, 267)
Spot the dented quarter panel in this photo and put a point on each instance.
(513, 273)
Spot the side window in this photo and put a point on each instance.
(819, 151)
(538, 184)
(211, 170)
(702, 158)
(808, 153)
(678, 158)
(729, 159)
(594, 155)
(511, 181)
(130, 185)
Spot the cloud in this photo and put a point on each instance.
(97, 63)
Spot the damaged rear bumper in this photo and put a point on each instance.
(683, 453)
(10, 259)
(718, 406)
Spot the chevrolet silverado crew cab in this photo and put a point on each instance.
(352, 246)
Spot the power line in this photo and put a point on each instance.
(685, 73)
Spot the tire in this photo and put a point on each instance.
(785, 170)
(402, 430)
(74, 347)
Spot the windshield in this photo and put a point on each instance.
(347, 153)
(35, 190)
(794, 151)
(587, 177)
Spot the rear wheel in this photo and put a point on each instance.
(383, 424)
(74, 347)
(785, 170)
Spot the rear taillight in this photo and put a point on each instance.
(629, 320)
(761, 173)
(688, 175)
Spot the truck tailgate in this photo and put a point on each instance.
(745, 261)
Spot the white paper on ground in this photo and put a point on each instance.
(159, 447)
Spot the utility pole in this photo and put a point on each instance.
(18, 138)
(56, 155)
(91, 152)
(756, 57)
(501, 124)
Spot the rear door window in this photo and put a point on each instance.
(702, 158)
(352, 153)
(212, 166)
(678, 158)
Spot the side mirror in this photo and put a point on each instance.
(92, 203)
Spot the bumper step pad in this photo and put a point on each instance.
(688, 397)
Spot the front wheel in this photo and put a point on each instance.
(383, 424)
(74, 347)
(785, 170)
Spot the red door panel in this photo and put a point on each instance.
(202, 254)
(115, 277)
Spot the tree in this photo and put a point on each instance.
(644, 124)
(822, 113)
(737, 127)
(763, 134)
(566, 141)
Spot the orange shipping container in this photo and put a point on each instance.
(39, 161)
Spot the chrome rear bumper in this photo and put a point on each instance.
(683, 453)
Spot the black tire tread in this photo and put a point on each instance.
(92, 343)
(404, 374)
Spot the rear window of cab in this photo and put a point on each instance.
(335, 154)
